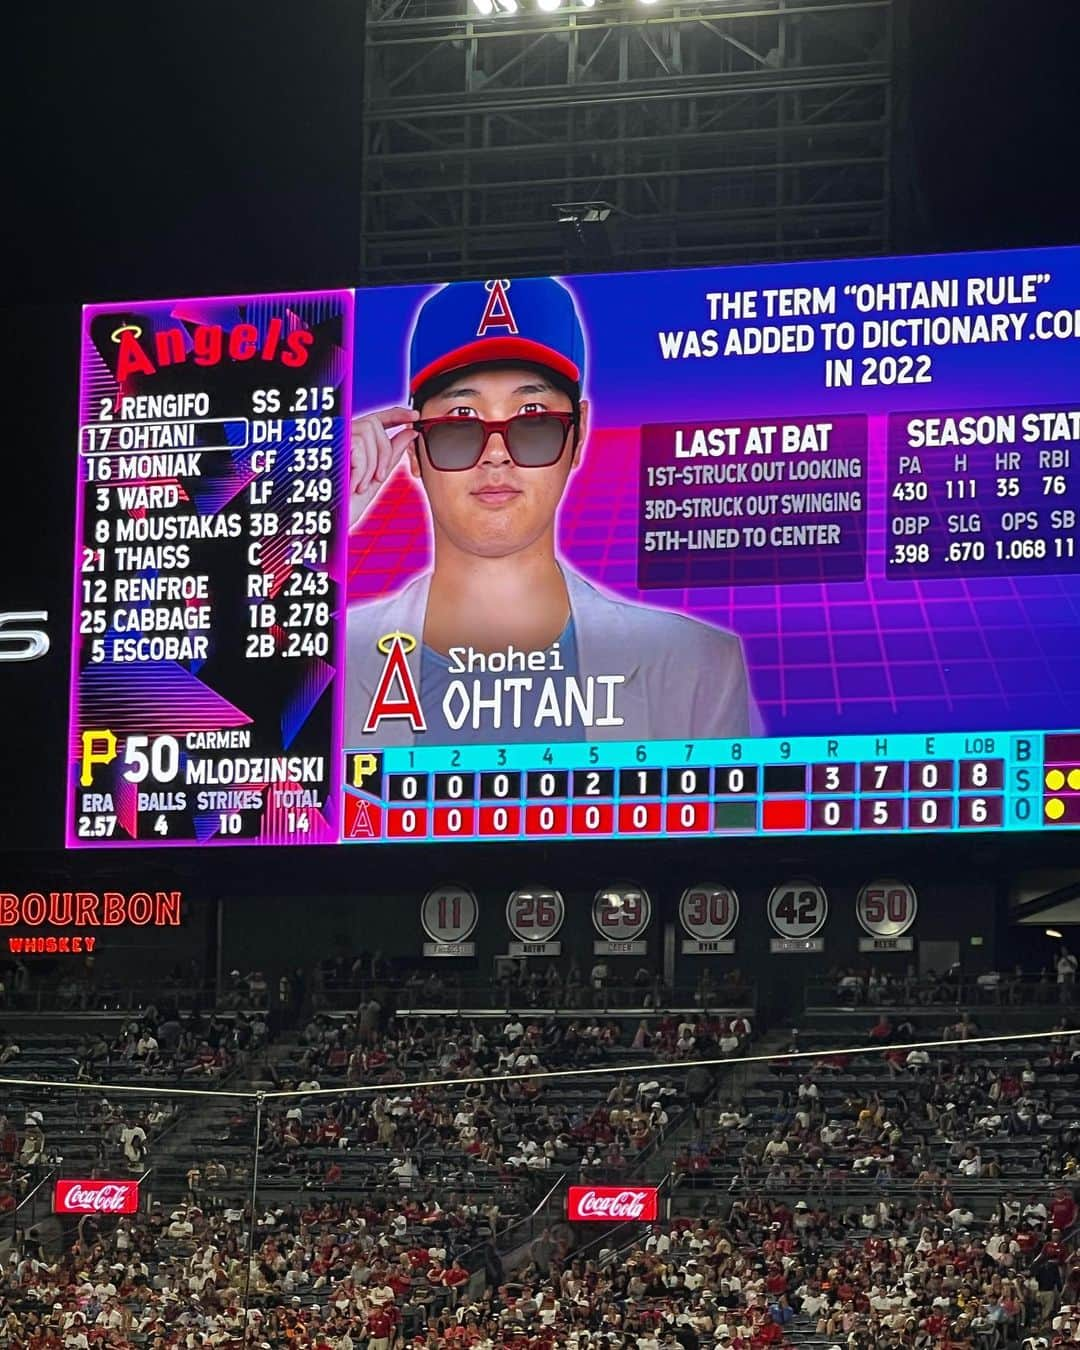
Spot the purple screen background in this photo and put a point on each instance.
(878, 655)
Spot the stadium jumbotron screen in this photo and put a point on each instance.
(783, 549)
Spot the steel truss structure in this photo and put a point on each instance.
(624, 134)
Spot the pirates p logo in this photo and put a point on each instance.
(497, 312)
(396, 694)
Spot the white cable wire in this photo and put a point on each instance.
(158, 1090)
(667, 1066)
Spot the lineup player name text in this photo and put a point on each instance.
(158, 407)
(136, 590)
(139, 467)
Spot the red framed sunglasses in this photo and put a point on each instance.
(533, 440)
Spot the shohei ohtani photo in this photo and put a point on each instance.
(501, 639)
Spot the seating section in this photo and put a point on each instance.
(875, 1195)
(365, 1184)
(849, 1191)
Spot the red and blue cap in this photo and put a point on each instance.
(467, 323)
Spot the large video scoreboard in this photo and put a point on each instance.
(783, 550)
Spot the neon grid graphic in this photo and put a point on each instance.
(845, 657)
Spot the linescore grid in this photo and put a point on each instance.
(770, 550)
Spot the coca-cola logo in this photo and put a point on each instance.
(96, 1197)
(613, 1203)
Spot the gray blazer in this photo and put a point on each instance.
(685, 680)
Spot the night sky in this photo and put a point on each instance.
(160, 149)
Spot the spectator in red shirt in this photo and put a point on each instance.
(882, 1029)
(455, 1276)
(1063, 1209)
(380, 1325)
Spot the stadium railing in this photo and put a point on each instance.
(475, 996)
(912, 993)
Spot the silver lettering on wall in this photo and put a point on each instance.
(18, 640)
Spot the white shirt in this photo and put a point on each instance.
(128, 1136)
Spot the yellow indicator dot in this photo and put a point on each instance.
(1055, 808)
(1055, 780)
(1074, 779)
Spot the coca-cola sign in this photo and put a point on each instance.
(96, 1197)
(612, 1204)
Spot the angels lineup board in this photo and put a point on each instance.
(781, 550)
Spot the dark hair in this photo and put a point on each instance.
(434, 387)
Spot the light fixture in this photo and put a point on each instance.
(485, 7)
(1053, 932)
(548, 6)
(582, 213)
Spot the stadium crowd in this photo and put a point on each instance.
(910, 1199)
(494, 1124)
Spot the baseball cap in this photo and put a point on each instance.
(531, 319)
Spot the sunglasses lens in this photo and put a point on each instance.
(536, 442)
(454, 445)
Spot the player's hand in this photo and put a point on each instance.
(376, 449)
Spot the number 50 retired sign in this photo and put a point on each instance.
(886, 911)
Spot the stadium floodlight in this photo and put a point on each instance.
(582, 213)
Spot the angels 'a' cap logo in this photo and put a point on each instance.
(497, 312)
(533, 320)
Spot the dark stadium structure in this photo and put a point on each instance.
(822, 1092)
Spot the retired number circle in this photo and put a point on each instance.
(449, 913)
(886, 909)
(708, 912)
(798, 909)
(535, 913)
(621, 912)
